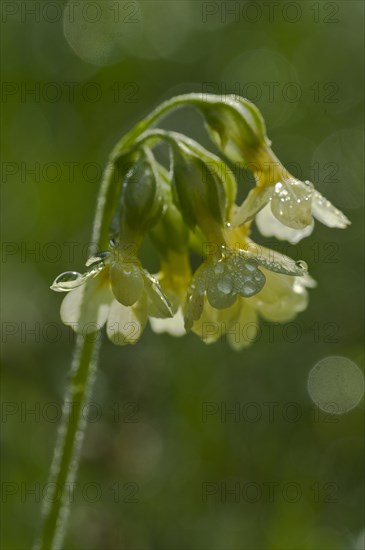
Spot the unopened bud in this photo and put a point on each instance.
(199, 192)
(142, 200)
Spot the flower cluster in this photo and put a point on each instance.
(188, 208)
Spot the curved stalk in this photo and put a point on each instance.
(157, 114)
(66, 456)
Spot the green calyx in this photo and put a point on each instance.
(141, 197)
(197, 189)
(236, 126)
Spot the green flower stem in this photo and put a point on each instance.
(104, 208)
(162, 110)
(66, 455)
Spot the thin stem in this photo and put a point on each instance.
(66, 456)
(157, 114)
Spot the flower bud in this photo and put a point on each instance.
(142, 200)
(215, 165)
(170, 232)
(198, 191)
(236, 126)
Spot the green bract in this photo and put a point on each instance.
(236, 126)
(198, 191)
(170, 232)
(142, 199)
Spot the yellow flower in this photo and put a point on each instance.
(190, 206)
(118, 293)
(230, 289)
(286, 209)
(281, 299)
(237, 324)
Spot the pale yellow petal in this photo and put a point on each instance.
(281, 298)
(173, 326)
(291, 203)
(158, 304)
(270, 226)
(328, 214)
(86, 308)
(242, 330)
(214, 323)
(126, 324)
(208, 326)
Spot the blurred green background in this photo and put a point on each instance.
(165, 465)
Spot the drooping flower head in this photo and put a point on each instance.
(188, 208)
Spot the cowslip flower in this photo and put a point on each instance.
(286, 210)
(189, 205)
(234, 270)
(115, 291)
(284, 206)
(280, 300)
(228, 293)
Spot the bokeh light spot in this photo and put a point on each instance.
(98, 31)
(336, 384)
(276, 90)
(338, 168)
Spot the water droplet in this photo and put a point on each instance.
(67, 281)
(200, 287)
(235, 262)
(98, 258)
(68, 276)
(250, 267)
(225, 285)
(219, 268)
(218, 299)
(91, 261)
(94, 269)
(302, 265)
(249, 289)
